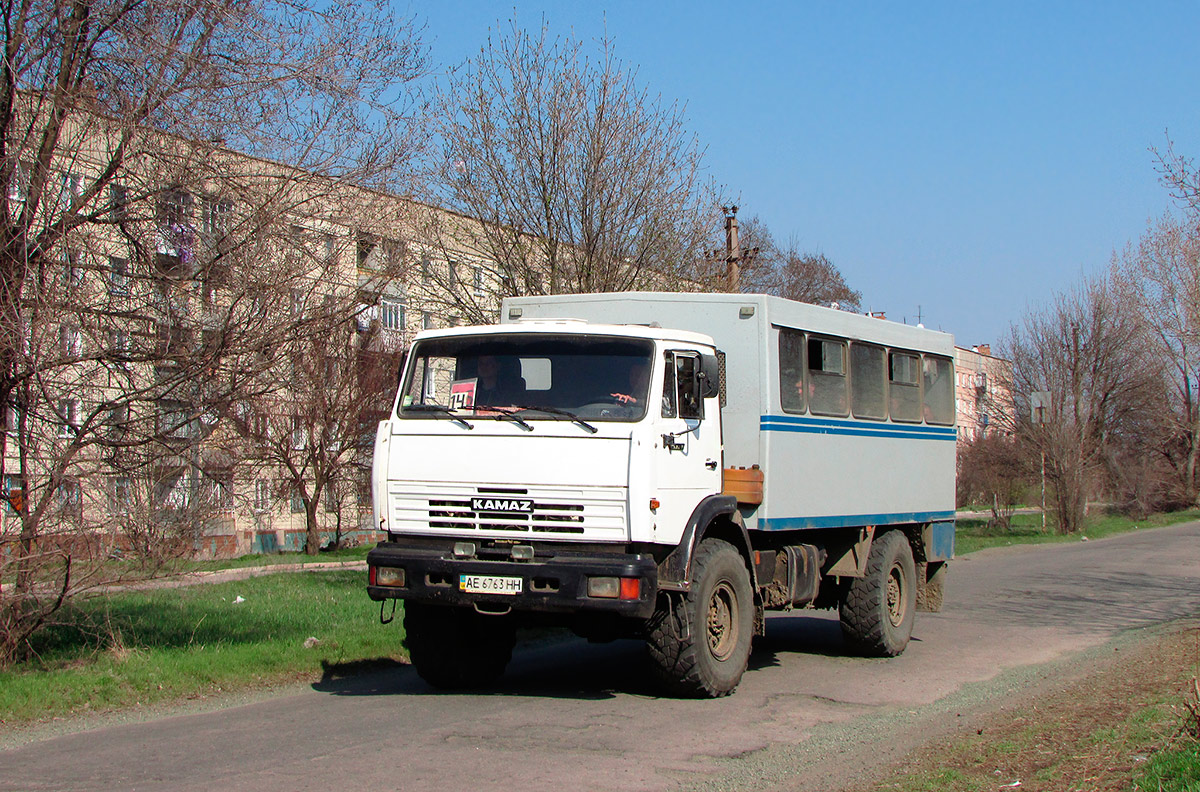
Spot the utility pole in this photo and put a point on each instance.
(733, 249)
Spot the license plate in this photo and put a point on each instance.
(489, 584)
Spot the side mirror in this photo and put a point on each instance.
(710, 377)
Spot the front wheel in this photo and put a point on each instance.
(700, 643)
(877, 609)
(457, 647)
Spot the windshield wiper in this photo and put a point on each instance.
(438, 408)
(507, 413)
(565, 413)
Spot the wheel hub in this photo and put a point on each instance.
(895, 596)
(722, 621)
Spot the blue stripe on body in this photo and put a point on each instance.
(847, 520)
(805, 424)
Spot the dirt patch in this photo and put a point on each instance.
(1093, 733)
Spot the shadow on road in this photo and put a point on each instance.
(575, 669)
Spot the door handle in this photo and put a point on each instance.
(711, 464)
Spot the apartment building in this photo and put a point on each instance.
(982, 393)
(195, 340)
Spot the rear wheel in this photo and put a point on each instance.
(877, 609)
(700, 642)
(457, 647)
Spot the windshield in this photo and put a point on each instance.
(535, 377)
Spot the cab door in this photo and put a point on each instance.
(687, 447)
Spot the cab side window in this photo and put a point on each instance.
(687, 381)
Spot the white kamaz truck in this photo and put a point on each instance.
(663, 466)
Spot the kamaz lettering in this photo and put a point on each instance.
(499, 505)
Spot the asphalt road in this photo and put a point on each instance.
(579, 717)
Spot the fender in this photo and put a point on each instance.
(674, 573)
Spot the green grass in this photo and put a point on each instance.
(976, 534)
(1172, 770)
(139, 648)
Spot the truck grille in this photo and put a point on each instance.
(597, 512)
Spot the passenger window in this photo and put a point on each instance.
(791, 370)
(867, 382)
(904, 387)
(939, 391)
(827, 377)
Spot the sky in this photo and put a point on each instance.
(959, 162)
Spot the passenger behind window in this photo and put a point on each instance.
(497, 385)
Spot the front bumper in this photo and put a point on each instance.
(555, 581)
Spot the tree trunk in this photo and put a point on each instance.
(312, 543)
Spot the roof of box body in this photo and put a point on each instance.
(777, 310)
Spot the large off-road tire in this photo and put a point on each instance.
(700, 642)
(457, 647)
(877, 609)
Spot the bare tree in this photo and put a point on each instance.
(136, 256)
(317, 434)
(993, 471)
(1160, 277)
(1078, 380)
(788, 272)
(581, 179)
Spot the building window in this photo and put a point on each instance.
(118, 341)
(368, 252)
(118, 275)
(175, 420)
(299, 434)
(477, 281)
(219, 490)
(118, 420)
(331, 503)
(175, 231)
(68, 415)
(330, 248)
(119, 495)
(215, 217)
(262, 495)
(118, 201)
(392, 314)
(452, 273)
(72, 269)
(18, 185)
(71, 190)
(426, 269)
(426, 320)
(71, 341)
(295, 502)
(68, 495)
